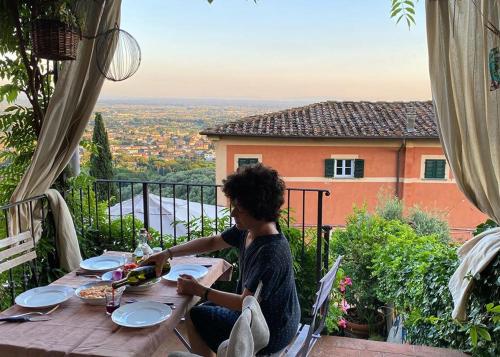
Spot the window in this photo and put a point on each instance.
(435, 169)
(344, 168)
(247, 161)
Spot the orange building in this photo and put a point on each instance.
(357, 151)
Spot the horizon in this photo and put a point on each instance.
(285, 50)
(254, 53)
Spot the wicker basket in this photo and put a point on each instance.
(55, 40)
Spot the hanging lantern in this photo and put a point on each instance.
(122, 62)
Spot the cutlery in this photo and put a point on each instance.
(37, 312)
(25, 318)
(171, 304)
(87, 275)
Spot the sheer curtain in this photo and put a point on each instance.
(68, 113)
(468, 118)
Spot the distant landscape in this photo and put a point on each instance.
(158, 139)
(142, 130)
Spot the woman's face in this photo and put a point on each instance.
(241, 217)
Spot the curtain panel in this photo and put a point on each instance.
(68, 113)
(467, 114)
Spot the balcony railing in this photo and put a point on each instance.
(92, 205)
(115, 192)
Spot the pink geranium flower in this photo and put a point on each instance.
(345, 306)
(342, 287)
(347, 281)
(342, 323)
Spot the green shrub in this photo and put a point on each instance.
(484, 226)
(413, 272)
(390, 207)
(425, 223)
(357, 243)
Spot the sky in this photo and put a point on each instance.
(274, 50)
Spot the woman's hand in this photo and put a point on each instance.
(158, 260)
(187, 285)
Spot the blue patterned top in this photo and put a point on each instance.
(268, 259)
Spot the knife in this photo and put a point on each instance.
(24, 318)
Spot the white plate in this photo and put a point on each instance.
(109, 275)
(141, 314)
(102, 263)
(45, 296)
(196, 271)
(92, 301)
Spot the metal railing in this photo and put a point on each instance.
(136, 195)
(91, 209)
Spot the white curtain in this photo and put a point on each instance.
(467, 114)
(67, 115)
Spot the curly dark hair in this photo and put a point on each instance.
(258, 189)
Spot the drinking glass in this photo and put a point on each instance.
(113, 299)
(128, 258)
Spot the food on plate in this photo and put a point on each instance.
(95, 292)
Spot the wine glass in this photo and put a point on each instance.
(113, 299)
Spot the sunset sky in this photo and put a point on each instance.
(274, 49)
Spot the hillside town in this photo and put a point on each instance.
(163, 132)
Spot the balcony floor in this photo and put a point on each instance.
(328, 346)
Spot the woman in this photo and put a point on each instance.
(256, 194)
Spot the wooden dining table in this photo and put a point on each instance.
(79, 329)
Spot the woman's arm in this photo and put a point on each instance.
(196, 246)
(187, 285)
(199, 245)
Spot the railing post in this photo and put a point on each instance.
(145, 204)
(326, 246)
(318, 236)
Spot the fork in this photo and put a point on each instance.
(37, 312)
(88, 275)
(171, 304)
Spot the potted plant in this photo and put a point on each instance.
(339, 307)
(56, 30)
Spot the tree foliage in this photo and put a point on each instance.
(101, 161)
(403, 10)
(28, 77)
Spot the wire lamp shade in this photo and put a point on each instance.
(122, 62)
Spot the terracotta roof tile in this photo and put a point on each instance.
(337, 120)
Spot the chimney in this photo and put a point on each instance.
(411, 114)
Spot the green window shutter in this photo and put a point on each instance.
(429, 169)
(247, 161)
(329, 167)
(435, 169)
(440, 168)
(359, 168)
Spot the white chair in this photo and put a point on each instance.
(249, 335)
(307, 335)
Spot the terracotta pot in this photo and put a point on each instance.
(363, 330)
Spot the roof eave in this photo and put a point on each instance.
(412, 137)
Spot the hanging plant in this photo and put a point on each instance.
(56, 30)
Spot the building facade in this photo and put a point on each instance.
(359, 151)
